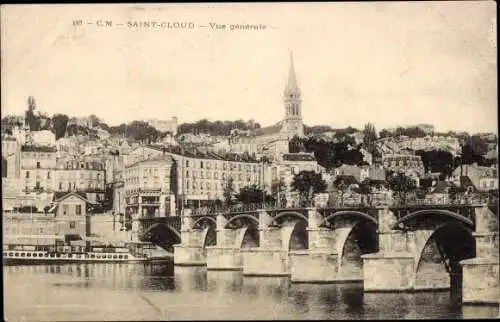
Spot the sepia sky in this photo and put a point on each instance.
(387, 63)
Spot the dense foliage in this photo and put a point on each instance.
(218, 128)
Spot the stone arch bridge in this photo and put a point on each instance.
(417, 247)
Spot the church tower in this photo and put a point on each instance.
(292, 123)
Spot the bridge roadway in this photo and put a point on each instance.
(388, 247)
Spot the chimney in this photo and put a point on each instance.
(88, 229)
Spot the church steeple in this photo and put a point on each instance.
(292, 123)
(292, 88)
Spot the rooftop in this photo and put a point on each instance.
(160, 158)
(195, 152)
(38, 148)
(298, 157)
(273, 129)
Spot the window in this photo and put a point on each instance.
(27, 174)
(65, 210)
(48, 175)
(82, 165)
(38, 165)
(37, 185)
(201, 164)
(187, 163)
(78, 209)
(187, 173)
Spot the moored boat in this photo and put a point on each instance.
(81, 252)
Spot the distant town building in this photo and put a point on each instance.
(291, 164)
(405, 163)
(479, 177)
(427, 128)
(164, 125)
(11, 158)
(45, 138)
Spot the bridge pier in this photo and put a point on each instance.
(332, 256)
(190, 252)
(318, 263)
(270, 259)
(392, 267)
(226, 254)
(480, 275)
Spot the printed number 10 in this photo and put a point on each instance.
(77, 22)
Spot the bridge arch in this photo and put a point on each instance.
(351, 213)
(241, 216)
(438, 254)
(295, 236)
(293, 214)
(442, 212)
(162, 235)
(201, 220)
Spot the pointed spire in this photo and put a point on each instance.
(292, 86)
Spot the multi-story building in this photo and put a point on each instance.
(427, 128)
(289, 165)
(83, 174)
(482, 178)
(11, 158)
(202, 177)
(403, 162)
(37, 177)
(164, 125)
(37, 167)
(149, 187)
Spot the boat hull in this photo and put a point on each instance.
(59, 261)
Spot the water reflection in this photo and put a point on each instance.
(73, 292)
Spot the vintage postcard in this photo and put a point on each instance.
(250, 161)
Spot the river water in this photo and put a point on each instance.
(100, 292)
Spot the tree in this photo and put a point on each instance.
(253, 194)
(385, 134)
(402, 184)
(308, 183)
(341, 186)
(369, 137)
(31, 119)
(278, 191)
(437, 161)
(478, 145)
(228, 192)
(60, 122)
(295, 145)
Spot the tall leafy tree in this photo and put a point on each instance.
(32, 121)
(278, 191)
(369, 137)
(228, 192)
(437, 161)
(60, 122)
(307, 183)
(402, 185)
